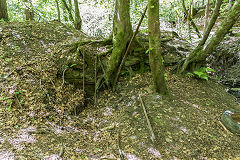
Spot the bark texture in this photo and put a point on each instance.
(3, 10)
(122, 33)
(155, 57)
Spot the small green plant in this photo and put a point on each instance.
(165, 76)
(69, 66)
(189, 74)
(123, 73)
(18, 92)
(147, 51)
(83, 157)
(202, 73)
(2, 20)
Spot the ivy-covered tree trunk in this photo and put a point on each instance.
(3, 10)
(78, 20)
(122, 32)
(198, 57)
(155, 57)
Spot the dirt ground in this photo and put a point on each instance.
(35, 124)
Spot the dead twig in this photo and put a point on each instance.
(148, 122)
(95, 93)
(119, 147)
(83, 71)
(61, 152)
(63, 77)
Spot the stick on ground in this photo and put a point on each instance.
(148, 122)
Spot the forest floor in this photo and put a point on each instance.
(33, 124)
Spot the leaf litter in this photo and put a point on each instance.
(37, 120)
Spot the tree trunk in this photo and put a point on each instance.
(3, 10)
(189, 16)
(199, 55)
(211, 22)
(206, 15)
(122, 32)
(78, 20)
(29, 10)
(58, 11)
(190, 19)
(155, 57)
(69, 11)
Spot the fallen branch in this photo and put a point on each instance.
(63, 77)
(95, 77)
(148, 122)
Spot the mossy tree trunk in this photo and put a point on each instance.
(3, 10)
(198, 57)
(122, 32)
(155, 57)
(78, 20)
